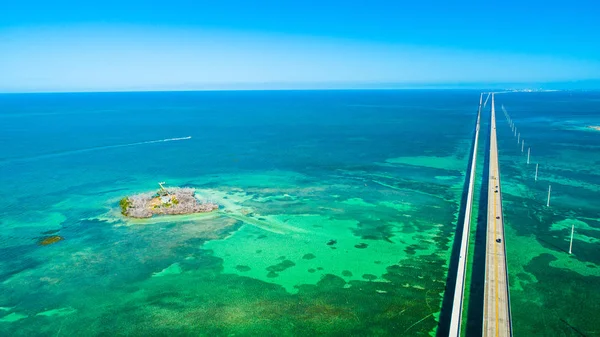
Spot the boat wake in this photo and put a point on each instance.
(160, 140)
(96, 148)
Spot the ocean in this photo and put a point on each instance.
(337, 211)
(553, 293)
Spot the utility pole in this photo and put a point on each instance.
(571, 244)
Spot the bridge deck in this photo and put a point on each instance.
(459, 288)
(496, 316)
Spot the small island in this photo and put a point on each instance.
(166, 201)
(594, 127)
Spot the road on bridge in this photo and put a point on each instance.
(496, 316)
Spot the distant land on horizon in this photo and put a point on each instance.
(591, 84)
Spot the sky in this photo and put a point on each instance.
(193, 45)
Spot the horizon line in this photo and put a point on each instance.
(571, 84)
(272, 89)
(478, 88)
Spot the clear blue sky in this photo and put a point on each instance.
(138, 45)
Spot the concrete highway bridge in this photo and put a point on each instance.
(495, 306)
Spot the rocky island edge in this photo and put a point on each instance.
(166, 201)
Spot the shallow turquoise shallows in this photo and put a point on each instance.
(337, 211)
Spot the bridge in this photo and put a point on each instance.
(496, 301)
(459, 289)
(496, 315)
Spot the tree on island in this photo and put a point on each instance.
(171, 201)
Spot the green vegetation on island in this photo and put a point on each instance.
(172, 201)
(125, 203)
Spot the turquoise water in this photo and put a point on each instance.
(378, 172)
(552, 293)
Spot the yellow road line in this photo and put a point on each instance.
(495, 229)
(496, 264)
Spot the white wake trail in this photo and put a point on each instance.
(146, 142)
(96, 148)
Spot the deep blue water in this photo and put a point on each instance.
(381, 168)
